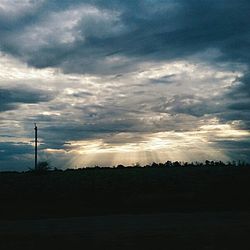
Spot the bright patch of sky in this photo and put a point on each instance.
(121, 83)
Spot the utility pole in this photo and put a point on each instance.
(35, 146)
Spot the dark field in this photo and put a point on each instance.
(130, 208)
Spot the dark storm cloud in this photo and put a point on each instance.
(152, 30)
(241, 106)
(237, 150)
(10, 150)
(242, 89)
(69, 131)
(238, 106)
(12, 97)
(114, 38)
(15, 156)
(243, 145)
(55, 136)
(189, 105)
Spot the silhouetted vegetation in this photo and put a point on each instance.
(175, 164)
(170, 186)
(42, 168)
(171, 164)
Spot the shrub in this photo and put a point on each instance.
(42, 168)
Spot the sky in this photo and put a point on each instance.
(123, 82)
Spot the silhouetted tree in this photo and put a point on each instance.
(120, 166)
(42, 168)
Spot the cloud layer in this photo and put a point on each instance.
(141, 76)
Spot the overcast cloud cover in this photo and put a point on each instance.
(112, 81)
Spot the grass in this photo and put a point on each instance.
(191, 208)
(125, 190)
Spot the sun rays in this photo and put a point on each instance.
(153, 147)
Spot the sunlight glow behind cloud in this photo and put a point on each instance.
(112, 82)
